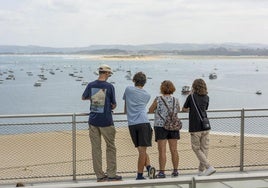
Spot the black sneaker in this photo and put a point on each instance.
(161, 175)
(116, 178)
(103, 179)
(141, 178)
(151, 173)
(175, 174)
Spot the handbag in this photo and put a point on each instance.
(172, 122)
(204, 120)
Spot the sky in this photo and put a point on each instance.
(81, 23)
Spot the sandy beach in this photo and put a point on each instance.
(158, 57)
(50, 154)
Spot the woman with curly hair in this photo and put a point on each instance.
(199, 136)
(163, 136)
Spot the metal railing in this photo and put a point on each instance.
(52, 147)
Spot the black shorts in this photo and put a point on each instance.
(141, 134)
(163, 134)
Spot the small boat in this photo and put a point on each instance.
(52, 72)
(212, 75)
(37, 84)
(185, 90)
(29, 73)
(129, 75)
(258, 92)
(43, 78)
(84, 83)
(10, 77)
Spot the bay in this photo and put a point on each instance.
(237, 81)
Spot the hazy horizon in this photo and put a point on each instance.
(157, 43)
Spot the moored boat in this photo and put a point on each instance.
(185, 90)
(212, 75)
(258, 92)
(37, 84)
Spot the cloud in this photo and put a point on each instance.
(86, 22)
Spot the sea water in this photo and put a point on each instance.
(237, 81)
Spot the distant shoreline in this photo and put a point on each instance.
(155, 57)
(142, 57)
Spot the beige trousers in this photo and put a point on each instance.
(108, 134)
(200, 145)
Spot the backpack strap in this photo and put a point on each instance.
(158, 111)
(167, 105)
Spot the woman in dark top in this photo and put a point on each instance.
(199, 136)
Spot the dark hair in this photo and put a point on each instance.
(103, 72)
(139, 79)
(199, 86)
(167, 87)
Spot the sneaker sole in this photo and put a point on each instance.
(211, 173)
(161, 177)
(102, 180)
(152, 173)
(117, 178)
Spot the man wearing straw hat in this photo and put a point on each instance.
(102, 101)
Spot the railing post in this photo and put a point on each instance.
(74, 145)
(193, 183)
(242, 139)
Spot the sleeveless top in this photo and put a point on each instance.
(162, 109)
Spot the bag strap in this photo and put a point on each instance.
(196, 108)
(166, 107)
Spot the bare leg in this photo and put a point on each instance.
(142, 158)
(174, 153)
(162, 154)
(147, 161)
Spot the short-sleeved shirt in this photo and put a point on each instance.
(162, 109)
(202, 101)
(136, 101)
(102, 96)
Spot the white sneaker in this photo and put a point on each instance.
(200, 173)
(151, 173)
(209, 171)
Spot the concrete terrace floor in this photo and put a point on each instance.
(249, 179)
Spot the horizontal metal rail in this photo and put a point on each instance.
(119, 113)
